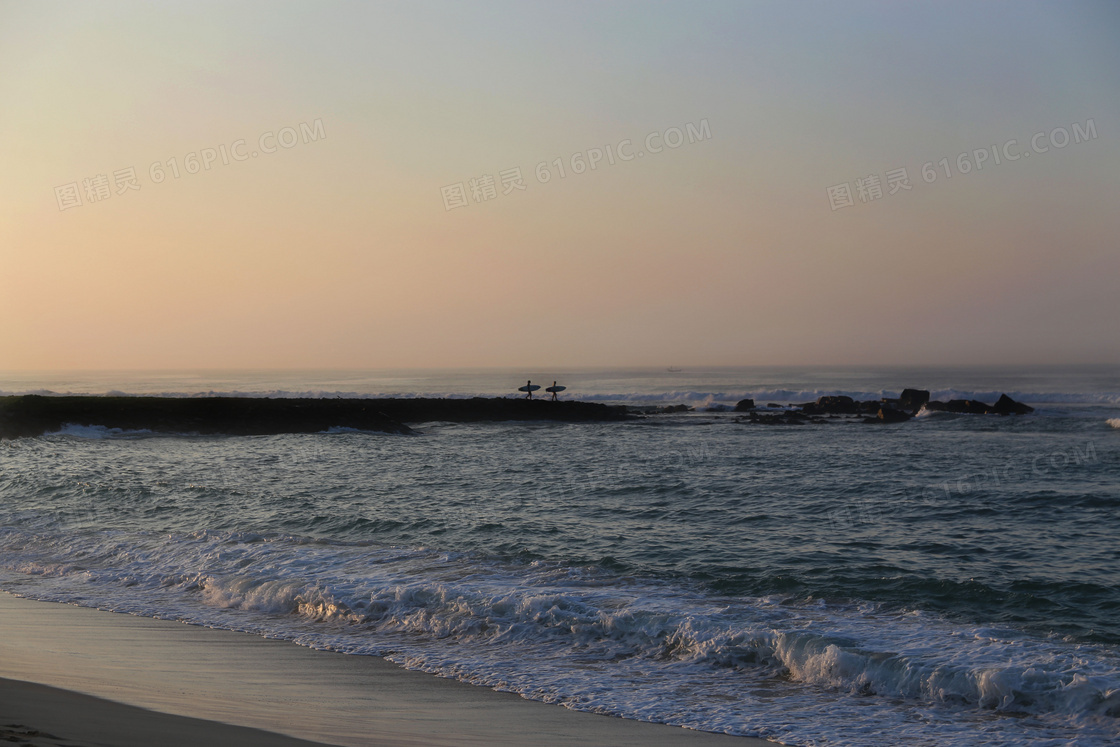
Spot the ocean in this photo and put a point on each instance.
(952, 580)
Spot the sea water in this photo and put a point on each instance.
(952, 580)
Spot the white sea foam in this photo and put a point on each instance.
(96, 431)
(1114, 422)
(631, 647)
(340, 430)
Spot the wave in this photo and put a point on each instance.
(97, 432)
(466, 615)
(596, 641)
(1114, 422)
(798, 396)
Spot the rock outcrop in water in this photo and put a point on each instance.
(891, 415)
(1007, 406)
(837, 405)
(913, 400)
(841, 408)
(34, 415)
(1003, 406)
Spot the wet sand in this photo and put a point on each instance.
(33, 715)
(159, 671)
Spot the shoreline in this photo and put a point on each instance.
(170, 673)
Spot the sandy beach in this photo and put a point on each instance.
(79, 676)
(41, 716)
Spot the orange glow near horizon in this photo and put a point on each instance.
(338, 250)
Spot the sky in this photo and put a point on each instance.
(389, 185)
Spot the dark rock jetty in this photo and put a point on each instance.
(887, 410)
(883, 411)
(34, 415)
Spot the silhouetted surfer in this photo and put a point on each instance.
(529, 387)
(554, 390)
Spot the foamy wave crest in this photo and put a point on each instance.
(1114, 422)
(274, 596)
(1010, 687)
(583, 637)
(798, 396)
(1068, 398)
(700, 398)
(96, 431)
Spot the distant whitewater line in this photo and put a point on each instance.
(693, 397)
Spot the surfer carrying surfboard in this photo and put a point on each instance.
(529, 388)
(554, 390)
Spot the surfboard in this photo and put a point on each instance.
(555, 389)
(528, 388)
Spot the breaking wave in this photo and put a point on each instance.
(478, 620)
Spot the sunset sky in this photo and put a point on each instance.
(338, 247)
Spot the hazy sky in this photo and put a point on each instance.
(344, 218)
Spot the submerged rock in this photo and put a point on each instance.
(969, 406)
(791, 417)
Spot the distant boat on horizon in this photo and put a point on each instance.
(670, 369)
